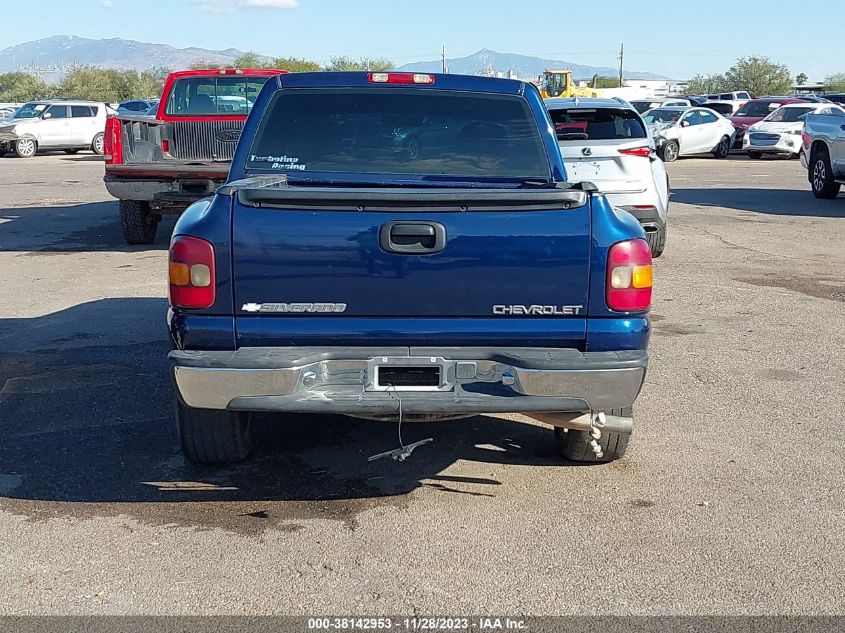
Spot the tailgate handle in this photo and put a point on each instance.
(413, 238)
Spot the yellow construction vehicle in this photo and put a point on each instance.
(558, 83)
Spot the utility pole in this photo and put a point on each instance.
(443, 57)
(621, 61)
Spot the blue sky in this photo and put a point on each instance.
(677, 38)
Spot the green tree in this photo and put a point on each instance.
(295, 64)
(801, 79)
(96, 84)
(759, 76)
(835, 82)
(19, 87)
(248, 60)
(364, 63)
(607, 82)
(707, 84)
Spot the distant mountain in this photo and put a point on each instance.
(525, 66)
(64, 51)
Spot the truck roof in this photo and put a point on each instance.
(363, 79)
(207, 72)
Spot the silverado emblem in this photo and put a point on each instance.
(294, 308)
(516, 310)
(228, 136)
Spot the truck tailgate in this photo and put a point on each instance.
(411, 254)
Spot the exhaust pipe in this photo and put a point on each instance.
(583, 422)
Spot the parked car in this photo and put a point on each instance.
(696, 100)
(823, 151)
(644, 105)
(475, 279)
(836, 97)
(725, 108)
(163, 164)
(136, 106)
(689, 131)
(755, 111)
(606, 142)
(54, 124)
(813, 98)
(780, 132)
(739, 95)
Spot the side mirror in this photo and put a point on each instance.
(684, 123)
(48, 115)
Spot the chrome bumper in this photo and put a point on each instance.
(469, 380)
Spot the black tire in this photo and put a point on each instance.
(97, 144)
(669, 152)
(26, 148)
(71, 151)
(139, 224)
(657, 241)
(213, 437)
(755, 155)
(821, 176)
(575, 445)
(723, 148)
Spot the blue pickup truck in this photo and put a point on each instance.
(396, 245)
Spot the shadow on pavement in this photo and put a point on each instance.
(88, 227)
(86, 412)
(768, 201)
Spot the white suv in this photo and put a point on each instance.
(606, 142)
(55, 124)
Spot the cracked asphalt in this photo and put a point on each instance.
(730, 500)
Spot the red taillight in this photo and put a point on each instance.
(645, 152)
(165, 146)
(191, 273)
(629, 276)
(112, 145)
(423, 79)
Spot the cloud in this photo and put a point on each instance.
(220, 6)
(108, 4)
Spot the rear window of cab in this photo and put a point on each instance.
(400, 131)
(599, 124)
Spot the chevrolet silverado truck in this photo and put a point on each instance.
(402, 246)
(163, 164)
(823, 151)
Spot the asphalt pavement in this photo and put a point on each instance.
(730, 500)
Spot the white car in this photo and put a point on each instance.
(54, 124)
(740, 95)
(644, 105)
(780, 132)
(689, 131)
(605, 141)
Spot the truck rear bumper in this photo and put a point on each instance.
(370, 381)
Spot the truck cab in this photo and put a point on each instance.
(392, 245)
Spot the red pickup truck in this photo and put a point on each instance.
(163, 164)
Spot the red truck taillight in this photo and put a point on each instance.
(629, 276)
(191, 272)
(112, 145)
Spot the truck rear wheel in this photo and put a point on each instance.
(213, 437)
(821, 176)
(657, 241)
(139, 223)
(575, 445)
